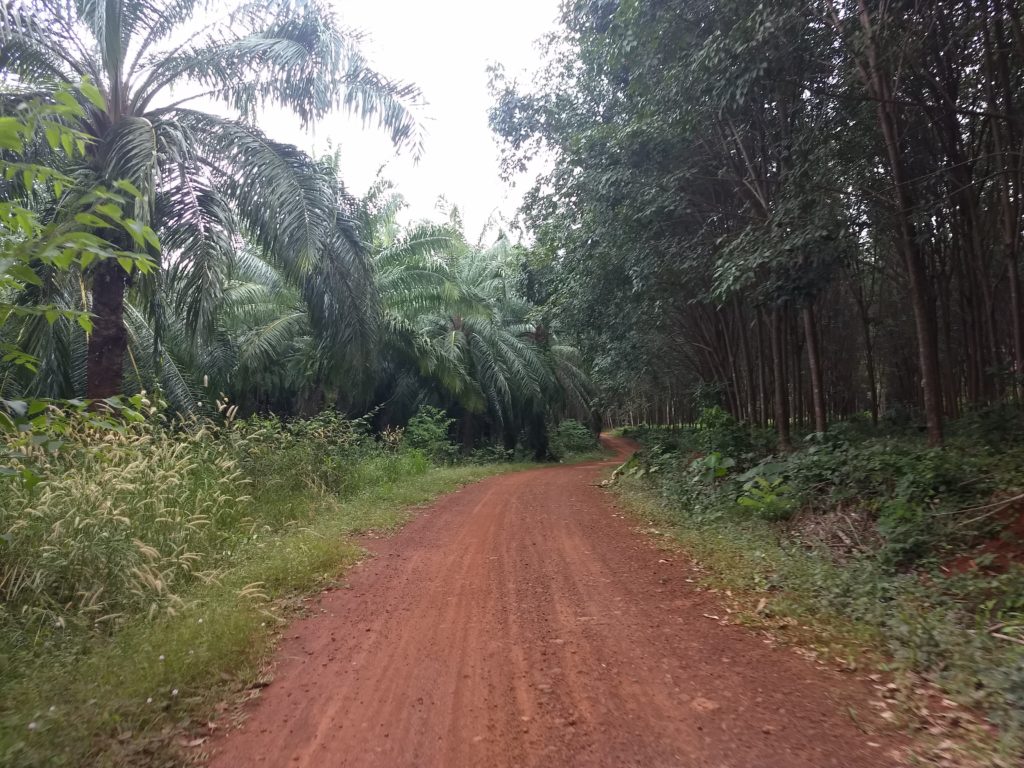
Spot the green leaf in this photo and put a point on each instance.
(110, 210)
(30, 478)
(11, 134)
(92, 93)
(53, 136)
(151, 238)
(89, 220)
(66, 99)
(24, 274)
(128, 187)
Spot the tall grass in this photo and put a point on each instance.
(119, 528)
(143, 576)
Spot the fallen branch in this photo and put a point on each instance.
(992, 508)
(1009, 638)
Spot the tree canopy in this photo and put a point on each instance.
(769, 205)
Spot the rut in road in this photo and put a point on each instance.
(522, 622)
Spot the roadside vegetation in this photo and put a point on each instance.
(147, 572)
(908, 558)
(216, 364)
(794, 228)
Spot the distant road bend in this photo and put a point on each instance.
(523, 621)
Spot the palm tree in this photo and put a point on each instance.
(454, 322)
(205, 179)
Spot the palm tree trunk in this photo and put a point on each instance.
(108, 341)
(467, 431)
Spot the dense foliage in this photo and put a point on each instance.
(215, 362)
(204, 180)
(259, 281)
(798, 211)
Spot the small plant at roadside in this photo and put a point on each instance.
(894, 541)
(712, 467)
(570, 437)
(428, 431)
(771, 499)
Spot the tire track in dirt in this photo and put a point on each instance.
(519, 622)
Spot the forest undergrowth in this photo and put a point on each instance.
(878, 552)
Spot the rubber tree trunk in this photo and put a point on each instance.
(762, 375)
(108, 341)
(814, 367)
(920, 294)
(776, 332)
(1015, 318)
(748, 364)
(869, 353)
(1004, 138)
(878, 84)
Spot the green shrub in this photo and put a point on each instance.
(997, 425)
(123, 522)
(771, 499)
(712, 467)
(570, 437)
(719, 432)
(907, 530)
(428, 430)
(118, 528)
(152, 560)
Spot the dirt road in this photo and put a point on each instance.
(524, 622)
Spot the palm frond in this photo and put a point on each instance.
(282, 199)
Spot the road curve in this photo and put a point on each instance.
(523, 621)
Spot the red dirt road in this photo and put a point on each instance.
(523, 622)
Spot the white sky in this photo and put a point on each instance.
(444, 47)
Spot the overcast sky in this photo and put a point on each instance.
(444, 46)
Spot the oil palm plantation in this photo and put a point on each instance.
(167, 72)
(457, 331)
